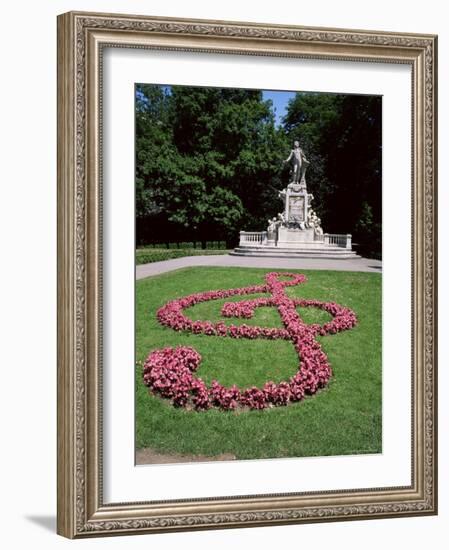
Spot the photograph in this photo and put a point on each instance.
(258, 292)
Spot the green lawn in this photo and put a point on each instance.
(344, 418)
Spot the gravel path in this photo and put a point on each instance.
(356, 264)
(150, 456)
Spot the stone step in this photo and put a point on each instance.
(303, 252)
(301, 248)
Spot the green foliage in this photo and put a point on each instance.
(205, 161)
(369, 232)
(212, 245)
(345, 418)
(149, 255)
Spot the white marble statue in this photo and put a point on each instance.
(314, 222)
(299, 164)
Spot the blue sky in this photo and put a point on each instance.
(280, 100)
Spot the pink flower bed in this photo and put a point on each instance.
(170, 372)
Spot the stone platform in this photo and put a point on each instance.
(295, 244)
(317, 250)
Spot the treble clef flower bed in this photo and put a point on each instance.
(170, 372)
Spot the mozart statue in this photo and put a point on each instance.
(299, 164)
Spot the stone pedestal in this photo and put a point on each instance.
(292, 238)
(296, 204)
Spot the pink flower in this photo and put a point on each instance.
(169, 372)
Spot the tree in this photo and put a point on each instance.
(206, 158)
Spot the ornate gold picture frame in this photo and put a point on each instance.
(82, 510)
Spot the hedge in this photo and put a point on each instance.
(149, 255)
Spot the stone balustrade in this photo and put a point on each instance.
(342, 241)
(253, 238)
(260, 238)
